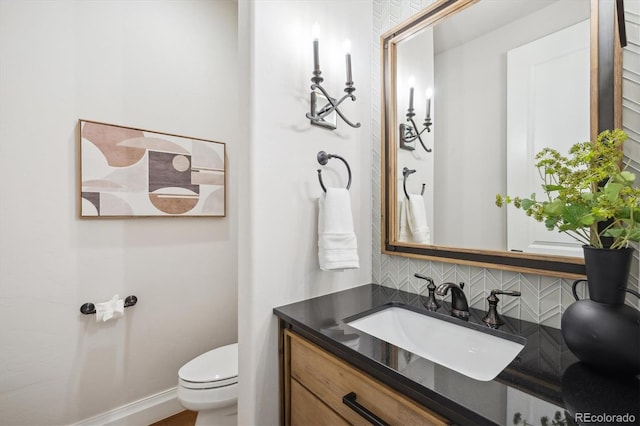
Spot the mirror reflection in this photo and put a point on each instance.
(477, 94)
(415, 158)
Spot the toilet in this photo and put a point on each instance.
(208, 384)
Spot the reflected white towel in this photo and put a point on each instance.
(111, 309)
(405, 233)
(417, 218)
(337, 244)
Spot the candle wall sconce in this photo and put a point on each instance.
(409, 132)
(324, 107)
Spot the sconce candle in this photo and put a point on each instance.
(347, 48)
(315, 31)
(429, 96)
(411, 98)
(412, 82)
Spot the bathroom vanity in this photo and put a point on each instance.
(332, 373)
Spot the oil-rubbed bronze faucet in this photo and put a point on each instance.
(459, 305)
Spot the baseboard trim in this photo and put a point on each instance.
(141, 412)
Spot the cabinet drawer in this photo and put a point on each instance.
(307, 410)
(330, 379)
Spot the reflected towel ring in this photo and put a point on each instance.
(323, 158)
(405, 173)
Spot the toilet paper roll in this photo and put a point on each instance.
(111, 309)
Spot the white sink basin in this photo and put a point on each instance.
(471, 352)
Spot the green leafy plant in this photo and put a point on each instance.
(589, 195)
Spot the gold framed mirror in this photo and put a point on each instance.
(448, 135)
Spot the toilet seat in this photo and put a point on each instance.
(217, 368)
(208, 385)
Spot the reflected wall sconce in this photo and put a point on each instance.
(324, 105)
(409, 132)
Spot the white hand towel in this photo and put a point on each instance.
(337, 244)
(111, 309)
(417, 218)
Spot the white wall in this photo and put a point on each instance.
(278, 260)
(164, 66)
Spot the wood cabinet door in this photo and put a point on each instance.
(330, 379)
(307, 410)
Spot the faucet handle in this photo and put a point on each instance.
(424, 277)
(506, 293)
(492, 319)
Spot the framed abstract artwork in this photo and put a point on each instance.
(127, 172)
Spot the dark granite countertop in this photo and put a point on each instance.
(545, 383)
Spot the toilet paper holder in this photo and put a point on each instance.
(89, 308)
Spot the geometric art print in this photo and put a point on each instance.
(126, 172)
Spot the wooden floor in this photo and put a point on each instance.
(185, 418)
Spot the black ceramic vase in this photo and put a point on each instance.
(602, 331)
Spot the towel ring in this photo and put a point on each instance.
(405, 173)
(323, 158)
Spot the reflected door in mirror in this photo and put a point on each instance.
(547, 105)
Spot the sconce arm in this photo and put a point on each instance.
(334, 106)
(413, 123)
